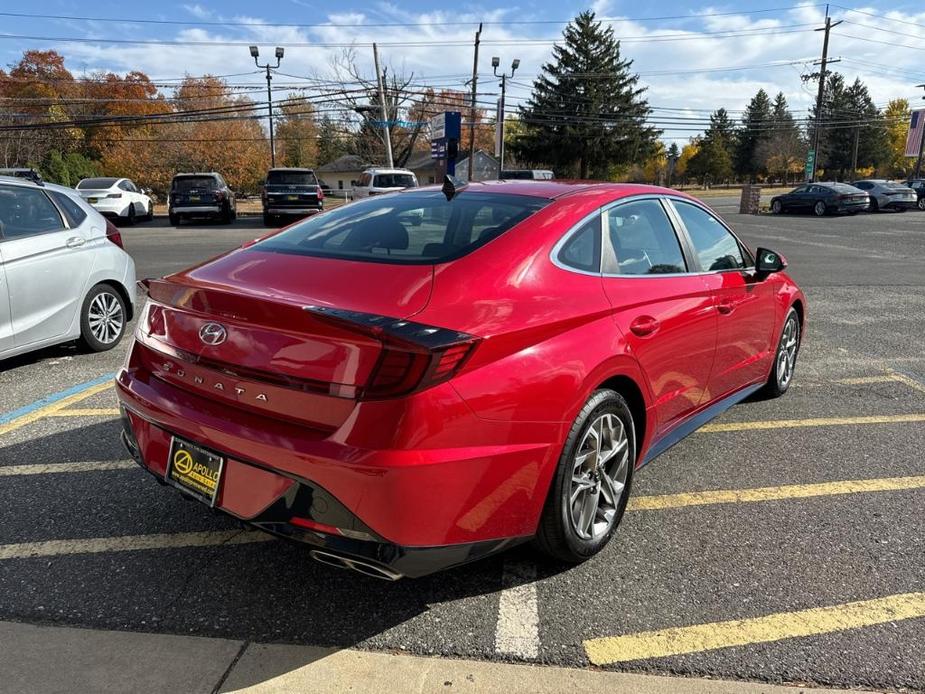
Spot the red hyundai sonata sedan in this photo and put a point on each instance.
(418, 380)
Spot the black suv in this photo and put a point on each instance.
(918, 185)
(294, 192)
(203, 195)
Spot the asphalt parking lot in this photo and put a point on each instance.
(785, 542)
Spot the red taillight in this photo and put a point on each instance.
(219, 195)
(414, 356)
(320, 193)
(113, 234)
(155, 321)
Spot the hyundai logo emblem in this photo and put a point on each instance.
(213, 334)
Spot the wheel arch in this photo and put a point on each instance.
(123, 293)
(632, 393)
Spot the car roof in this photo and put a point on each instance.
(19, 180)
(196, 173)
(290, 168)
(559, 188)
(383, 169)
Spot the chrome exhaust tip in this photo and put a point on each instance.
(353, 564)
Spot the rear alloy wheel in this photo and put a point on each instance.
(874, 205)
(819, 209)
(777, 207)
(130, 219)
(592, 483)
(102, 319)
(785, 359)
(922, 204)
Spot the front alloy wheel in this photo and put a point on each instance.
(819, 209)
(921, 204)
(592, 482)
(785, 359)
(777, 207)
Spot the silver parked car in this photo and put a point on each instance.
(886, 195)
(64, 275)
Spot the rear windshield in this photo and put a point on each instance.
(394, 181)
(895, 186)
(187, 183)
(521, 175)
(411, 228)
(291, 178)
(843, 188)
(96, 183)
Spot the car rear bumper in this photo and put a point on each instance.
(111, 209)
(899, 204)
(196, 209)
(413, 510)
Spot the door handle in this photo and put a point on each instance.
(75, 242)
(725, 307)
(644, 325)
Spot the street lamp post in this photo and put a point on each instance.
(268, 67)
(495, 62)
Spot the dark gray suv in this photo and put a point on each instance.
(200, 195)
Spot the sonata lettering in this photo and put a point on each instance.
(217, 385)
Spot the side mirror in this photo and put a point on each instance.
(769, 261)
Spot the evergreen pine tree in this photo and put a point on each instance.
(587, 113)
(713, 161)
(755, 126)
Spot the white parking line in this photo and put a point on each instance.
(52, 468)
(127, 543)
(518, 629)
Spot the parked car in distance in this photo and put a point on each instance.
(29, 174)
(821, 199)
(64, 274)
(290, 192)
(918, 185)
(886, 195)
(410, 382)
(200, 196)
(117, 198)
(378, 181)
(526, 175)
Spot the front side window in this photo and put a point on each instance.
(801, 189)
(715, 247)
(582, 250)
(643, 240)
(411, 228)
(26, 212)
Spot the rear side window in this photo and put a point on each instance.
(75, 213)
(412, 228)
(715, 247)
(291, 178)
(184, 184)
(26, 212)
(643, 240)
(582, 250)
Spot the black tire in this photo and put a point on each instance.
(225, 217)
(921, 204)
(267, 219)
(556, 535)
(776, 386)
(874, 205)
(174, 220)
(88, 339)
(819, 208)
(777, 207)
(131, 219)
(149, 215)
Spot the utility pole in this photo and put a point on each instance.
(918, 162)
(854, 155)
(495, 62)
(475, 81)
(385, 116)
(279, 56)
(822, 65)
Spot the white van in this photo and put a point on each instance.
(379, 181)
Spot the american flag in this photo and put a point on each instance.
(914, 138)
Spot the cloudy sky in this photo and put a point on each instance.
(693, 57)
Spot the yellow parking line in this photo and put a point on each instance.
(906, 380)
(86, 412)
(742, 632)
(51, 468)
(811, 422)
(50, 409)
(95, 545)
(789, 491)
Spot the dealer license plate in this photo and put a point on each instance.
(194, 470)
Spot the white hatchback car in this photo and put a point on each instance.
(64, 274)
(380, 181)
(117, 198)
